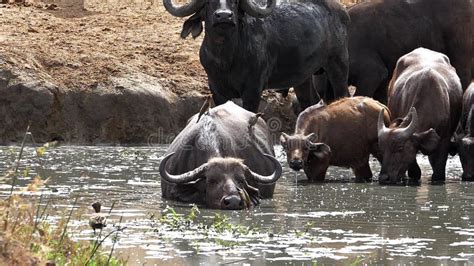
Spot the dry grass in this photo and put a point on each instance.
(79, 48)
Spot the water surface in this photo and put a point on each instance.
(338, 222)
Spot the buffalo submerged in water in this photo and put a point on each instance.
(224, 161)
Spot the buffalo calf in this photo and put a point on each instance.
(346, 131)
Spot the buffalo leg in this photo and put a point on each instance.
(251, 99)
(381, 93)
(337, 72)
(322, 88)
(375, 151)
(216, 97)
(316, 174)
(414, 173)
(363, 173)
(438, 162)
(305, 94)
(368, 75)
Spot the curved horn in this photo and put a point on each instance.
(184, 10)
(410, 129)
(266, 179)
(381, 129)
(182, 178)
(254, 10)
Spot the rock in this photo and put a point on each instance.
(129, 109)
(24, 98)
(135, 110)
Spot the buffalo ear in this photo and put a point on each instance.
(396, 122)
(453, 144)
(312, 137)
(427, 141)
(320, 150)
(191, 192)
(192, 25)
(283, 139)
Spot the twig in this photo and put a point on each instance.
(114, 241)
(38, 210)
(38, 157)
(45, 208)
(67, 222)
(39, 217)
(14, 176)
(102, 241)
(111, 207)
(22, 146)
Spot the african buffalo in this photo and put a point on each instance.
(381, 31)
(464, 137)
(248, 48)
(219, 162)
(346, 131)
(426, 92)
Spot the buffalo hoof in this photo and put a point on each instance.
(363, 180)
(413, 182)
(384, 180)
(316, 180)
(468, 178)
(437, 182)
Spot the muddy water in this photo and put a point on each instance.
(338, 222)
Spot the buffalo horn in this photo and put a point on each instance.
(254, 10)
(182, 178)
(266, 179)
(381, 129)
(184, 10)
(410, 129)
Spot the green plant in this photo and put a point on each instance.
(358, 260)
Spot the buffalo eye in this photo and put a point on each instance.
(212, 181)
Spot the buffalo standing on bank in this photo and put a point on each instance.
(425, 96)
(248, 48)
(346, 131)
(382, 31)
(221, 162)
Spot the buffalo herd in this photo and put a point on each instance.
(414, 56)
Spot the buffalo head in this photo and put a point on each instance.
(400, 144)
(221, 15)
(465, 147)
(301, 150)
(225, 180)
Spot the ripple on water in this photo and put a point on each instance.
(336, 221)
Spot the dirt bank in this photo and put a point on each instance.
(101, 72)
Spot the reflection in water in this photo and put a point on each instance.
(331, 223)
